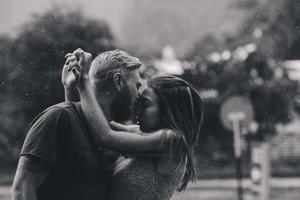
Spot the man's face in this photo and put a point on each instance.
(122, 106)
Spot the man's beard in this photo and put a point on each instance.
(121, 107)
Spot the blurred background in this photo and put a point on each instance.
(249, 49)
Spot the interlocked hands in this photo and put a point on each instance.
(76, 67)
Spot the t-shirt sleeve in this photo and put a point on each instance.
(46, 136)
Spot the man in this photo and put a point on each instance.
(58, 159)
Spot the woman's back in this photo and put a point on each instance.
(138, 178)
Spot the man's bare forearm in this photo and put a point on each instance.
(30, 174)
(24, 193)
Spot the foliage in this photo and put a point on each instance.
(31, 66)
(249, 64)
(279, 23)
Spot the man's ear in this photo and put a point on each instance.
(118, 81)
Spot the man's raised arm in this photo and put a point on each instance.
(69, 80)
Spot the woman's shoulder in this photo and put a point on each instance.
(170, 162)
(170, 139)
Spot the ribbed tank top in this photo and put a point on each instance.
(138, 179)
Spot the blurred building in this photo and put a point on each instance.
(168, 64)
(293, 68)
(286, 144)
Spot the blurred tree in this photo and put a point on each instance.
(209, 43)
(248, 64)
(274, 28)
(40, 51)
(275, 24)
(31, 65)
(9, 116)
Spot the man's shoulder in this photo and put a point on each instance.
(60, 110)
(63, 107)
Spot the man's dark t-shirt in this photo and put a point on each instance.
(79, 170)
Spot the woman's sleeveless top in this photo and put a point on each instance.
(138, 179)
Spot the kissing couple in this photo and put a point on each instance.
(75, 150)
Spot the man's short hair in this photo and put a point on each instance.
(106, 64)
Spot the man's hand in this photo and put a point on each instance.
(70, 78)
(75, 72)
(84, 60)
(71, 72)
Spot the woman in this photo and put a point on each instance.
(170, 116)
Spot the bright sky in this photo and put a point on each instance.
(15, 12)
(195, 17)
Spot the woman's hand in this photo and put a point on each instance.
(127, 128)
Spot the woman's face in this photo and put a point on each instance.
(148, 111)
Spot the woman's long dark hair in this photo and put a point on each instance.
(182, 110)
